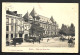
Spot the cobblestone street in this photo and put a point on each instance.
(53, 42)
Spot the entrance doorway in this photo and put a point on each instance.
(26, 35)
(20, 35)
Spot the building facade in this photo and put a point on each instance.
(26, 29)
(50, 26)
(18, 26)
(14, 25)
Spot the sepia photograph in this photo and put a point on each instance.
(40, 27)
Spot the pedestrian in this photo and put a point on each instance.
(73, 43)
(14, 41)
(7, 43)
(70, 42)
(47, 39)
(33, 40)
(61, 38)
(39, 41)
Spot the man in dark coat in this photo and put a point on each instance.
(70, 42)
(14, 41)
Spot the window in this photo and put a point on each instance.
(7, 20)
(6, 36)
(11, 36)
(20, 35)
(7, 28)
(11, 28)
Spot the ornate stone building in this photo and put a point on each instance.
(18, 26)
(50, 26)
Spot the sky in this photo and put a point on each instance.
(63, 13)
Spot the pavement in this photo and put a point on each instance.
(53, 42)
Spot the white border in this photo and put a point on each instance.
(26, 49)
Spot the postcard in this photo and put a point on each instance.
(40, 27)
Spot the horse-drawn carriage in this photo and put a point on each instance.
(32, 39)
(14, 41)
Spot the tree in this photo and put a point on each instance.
(63, 30)
(68, 31)
(72, 30)
(36, 29)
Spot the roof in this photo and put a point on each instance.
(52, 20)
(33, 13)
(42, 19)
(13, 13)
(27, 16)
(45, 19)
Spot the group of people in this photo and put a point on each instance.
(71, 42)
